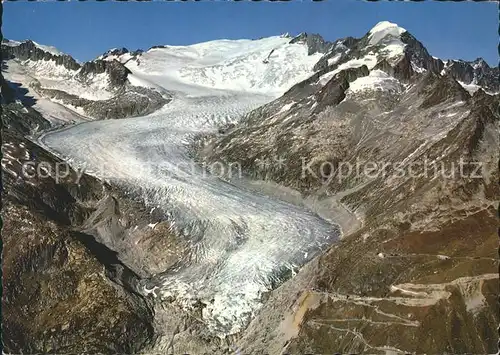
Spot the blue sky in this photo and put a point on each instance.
(85, 30)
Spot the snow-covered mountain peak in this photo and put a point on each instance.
(115, 52)
(480, 63)
(387, 36)
(120, 54)
(49, 49)
(383, 30)
(267, 66)
(95, 89)
(391, 48)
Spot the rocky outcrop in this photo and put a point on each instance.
(438, 90)
(127, 100)
(486, 76)
(416, 53)
(402, 70)
(58, 297)
(461, 70)
(26, 122)
(98, 310)
(28, 50)
(315, 43)
(116, 52)
(117, 72)
(334, 90)
(130, 102)
(339, 49)
(477, 72)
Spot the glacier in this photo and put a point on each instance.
(243, 243)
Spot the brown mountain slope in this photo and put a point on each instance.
(420, 274)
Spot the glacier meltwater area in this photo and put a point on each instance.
(244, 243)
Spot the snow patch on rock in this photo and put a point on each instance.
(376, 80)
(471, 88)
(388, 34)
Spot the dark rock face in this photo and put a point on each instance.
(443, 89)
(461, 70)
(315, 43)
(117, 51)
(158, 47)
(57, 296)
(28, 50)
(350, 48)
(338, 48)
(418, 54)
(402, 70)
(23, 122)
(477, 72)
(63, 292)
(352, 74)
(130, 102)
(305, 87)
(485, 75)
(121, 51)
(117, 71)
(335, 90)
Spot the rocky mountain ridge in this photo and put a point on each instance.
(114, 96)
(422, 257)
(417, 58)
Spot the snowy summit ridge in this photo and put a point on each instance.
(268, 66)
(383, 30)
(49, 49)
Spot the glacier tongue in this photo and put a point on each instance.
(243, 243)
